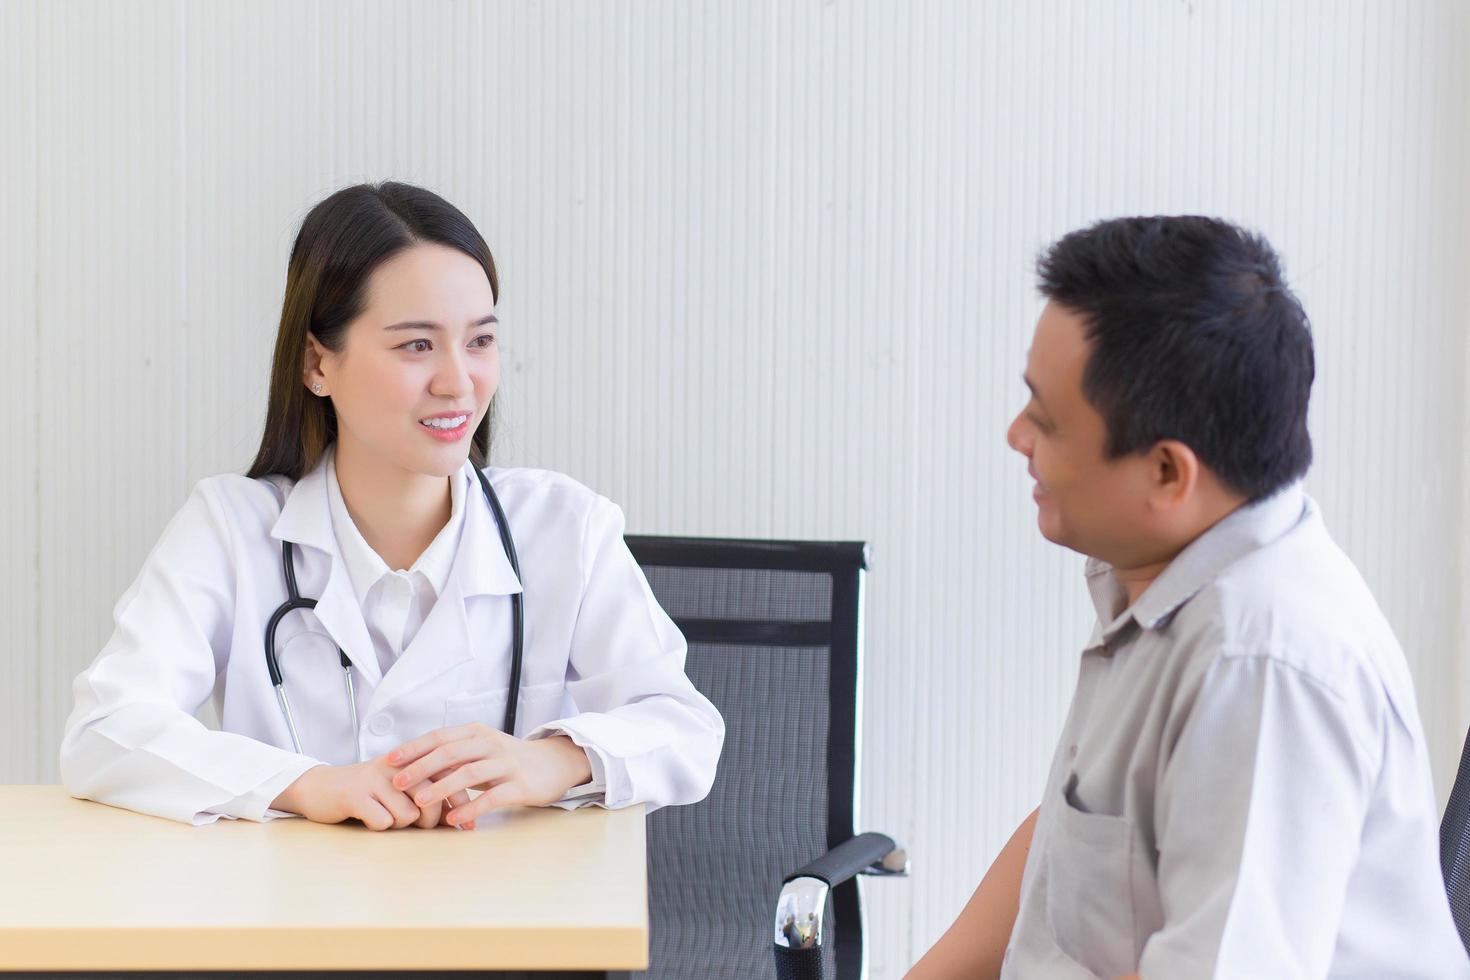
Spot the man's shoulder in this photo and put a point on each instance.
(1301, 603)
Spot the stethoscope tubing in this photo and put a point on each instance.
(295, 601)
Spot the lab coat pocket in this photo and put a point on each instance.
(1089, 887)
(487, 707)
(537, 705)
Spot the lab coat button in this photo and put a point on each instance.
(380, 724)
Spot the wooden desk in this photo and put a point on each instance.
(90, 887)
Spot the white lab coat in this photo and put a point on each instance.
(603, 663)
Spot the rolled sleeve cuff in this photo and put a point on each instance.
(256, 804)
(605, 788)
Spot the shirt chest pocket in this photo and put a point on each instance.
(1089, 887)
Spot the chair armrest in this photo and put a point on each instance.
(803, 900)
(852, 857)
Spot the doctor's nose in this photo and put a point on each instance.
(452, 380)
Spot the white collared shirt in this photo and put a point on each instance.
(395, 603)
(1241, 788)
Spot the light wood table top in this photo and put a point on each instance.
(91, 887)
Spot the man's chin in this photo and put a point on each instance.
(1055, 530)
(1049, 526)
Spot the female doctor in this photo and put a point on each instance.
(395, 685)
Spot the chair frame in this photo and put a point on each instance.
(846, 562)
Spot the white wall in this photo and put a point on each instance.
(767, 271)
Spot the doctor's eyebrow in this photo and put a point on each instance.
(430, 325)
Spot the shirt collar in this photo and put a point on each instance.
(1239, 533)
(479, 564)
(365, 567)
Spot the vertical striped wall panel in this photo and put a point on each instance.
(767, 270)
(109, 328)
(22, 664)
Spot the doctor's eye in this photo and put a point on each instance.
(413, 345)
(483, 341)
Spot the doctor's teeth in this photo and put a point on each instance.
(449, 423)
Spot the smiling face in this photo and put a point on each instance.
(1085, 501)
(419, 365)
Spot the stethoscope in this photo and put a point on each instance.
(295, 601)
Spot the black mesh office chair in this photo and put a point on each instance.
(773, 633)
(1454, 847)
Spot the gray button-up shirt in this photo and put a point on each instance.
(1241, 788)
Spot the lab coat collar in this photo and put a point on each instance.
(306, 520)
(480, 563)
(443, 642)
(480, 567)
(305, 517)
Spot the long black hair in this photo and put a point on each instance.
(342, 240)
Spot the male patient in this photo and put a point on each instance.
(1241, 788)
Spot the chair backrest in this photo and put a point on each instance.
(773, 633)
(1454, 847)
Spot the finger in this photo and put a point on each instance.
(428, 815)
(442, 759)
(417, 748)
(440, 809)
(373, 814)
(432, 814)
(399, 805)
(445, 757)
(508, 793)
(467, 776)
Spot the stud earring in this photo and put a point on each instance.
(316, 388)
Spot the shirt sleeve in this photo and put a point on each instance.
(132, 739)
(1259, 813)
(652, 735)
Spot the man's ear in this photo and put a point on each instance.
(1174, 473)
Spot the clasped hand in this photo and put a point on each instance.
(426, 781)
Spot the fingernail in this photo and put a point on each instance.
(470, 825)
(392, 756)
(421, 799)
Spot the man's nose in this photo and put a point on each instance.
(1018, 436)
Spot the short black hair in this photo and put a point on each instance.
(1195, 337)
